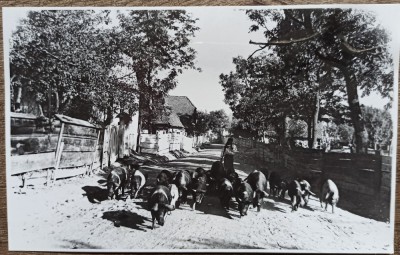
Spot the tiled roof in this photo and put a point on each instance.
(172, 120)
(181, 105)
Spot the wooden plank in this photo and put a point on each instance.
(31, 162)
(34, 143)
(72, 159)
(70, 172)
(77, 144)
(70, 129)
(95, 152)
(106, 145)
(386, 159)
(150, 151)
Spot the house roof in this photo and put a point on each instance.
(181, 105)
(172, 120)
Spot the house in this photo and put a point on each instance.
(172, 130)
(184, 109)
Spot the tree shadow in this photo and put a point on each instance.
(74, 244)
(221, 244)
(272, 207)
(212, 205)
(307, 207)
(126, 219)
(95, 194)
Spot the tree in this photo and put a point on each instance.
(379, 126)
(157, 42)
(202, 124)
(267, 89)
(66, 59)
(349, 42)
(218, 121)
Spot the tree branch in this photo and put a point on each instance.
(261, 48)
(282, 42)
(286, 42)
(350, 49)
(287, 12)
(57, 58)
(329, 60)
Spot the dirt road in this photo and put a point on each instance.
(74, 214)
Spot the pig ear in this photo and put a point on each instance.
(155, 207)
(169, 207)
(312, 193)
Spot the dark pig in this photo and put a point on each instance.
(225, 192)
(174, 194)
(306, 188)
(218, 170)
(160, 204)
(199, 189)
(275, 182)
(138, 180)
(235, 180)
(198, 172)
(296, 194)
(258, 183)
(165, 178)
(244, 197)
(329, 194)
(182, 180)
(284, 184)
(116, 181)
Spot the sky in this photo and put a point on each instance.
(224, 35)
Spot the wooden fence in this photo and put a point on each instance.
(163, 143)
(353, 173)
(64, 148)
(154, 143)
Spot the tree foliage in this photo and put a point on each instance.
(347, 43)
(157, 42)
(85, 64)
(379, 125)
(218, 120)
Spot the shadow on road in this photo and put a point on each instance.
(95, 194)
(126, 219)
(272, 207)
(212, 205)
(74, 244)
(221, 244)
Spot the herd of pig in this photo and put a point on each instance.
(172, 188)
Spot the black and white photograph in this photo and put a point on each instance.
(201, 129)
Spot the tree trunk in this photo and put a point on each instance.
(315, 120)
(309, 133)
(18, 100)
(360, 132)
(57, 98)
(140, 111)
(109, 116)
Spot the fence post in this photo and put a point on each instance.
(94, 154)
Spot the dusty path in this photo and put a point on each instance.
(74, 214)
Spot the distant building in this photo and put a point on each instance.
(180, 114)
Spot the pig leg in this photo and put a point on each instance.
(326, 206)
(293, 200)
(333, 208)
(153, 218)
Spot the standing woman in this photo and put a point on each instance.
(227, 156)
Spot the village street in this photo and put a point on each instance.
(75, 214)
